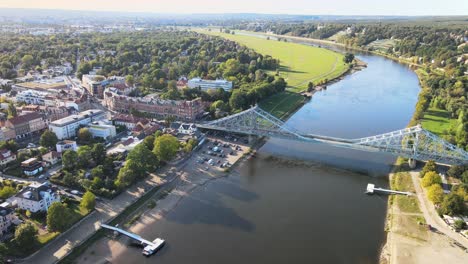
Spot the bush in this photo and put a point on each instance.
(429, 166)
(435, 193)
(431, 178)
(459, 224)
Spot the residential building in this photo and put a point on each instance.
(129, 121)
(31, 167)
(209, 84)
(7, 133)
(51, 158)
(7, 217)
(33, 97)
(27, 124)
(94, 84)
(36, 197)
(51, 113)
(102, 130)
(66, 145)
(6, 156)
(155, 106)
(67, 127)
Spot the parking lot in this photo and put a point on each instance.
(219, 153)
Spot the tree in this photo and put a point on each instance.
(149, 142)
(84, 136)
(26, 236)
(69, 160)
(129, 80)
(348, 58)
(459, 224)
(57, 217)
(435, 193)
(429, 166)
(98, 153)
(84, 156)
(48, 139)
(431, 178)
(11, 110)
(456, 171)
(144, 160)
(166, 147)
(452, 204)
(27, 61)
(88, 202)
(6, 192)
(310, 87)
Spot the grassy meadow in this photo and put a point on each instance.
(437, 121)
(300, 64)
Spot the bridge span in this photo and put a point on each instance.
(414, 143)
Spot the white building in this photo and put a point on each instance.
(6, 156)
(209, 84)
(66, 145)
(67, 127)
(102, 130)
(33, 97)
(187, 129)
(36, 197)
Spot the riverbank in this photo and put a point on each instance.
(191, 176)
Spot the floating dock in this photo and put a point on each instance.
(371, 189)
(149, 247)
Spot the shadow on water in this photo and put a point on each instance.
(212, 203)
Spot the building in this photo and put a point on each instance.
(187, 129)
(27, 124)
(6, 156)
(209, 84)
(51, 113)
(52, 157)
(36, 197)
(67, 127)
(102, 130)
(94, 84)
(31, 167)
(7, 217)
(33, 97)
(129, 121)
(155, 106)
(66, 145)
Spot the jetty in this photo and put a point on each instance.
(149, 247)
(371, 189)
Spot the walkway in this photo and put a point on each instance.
(430, 213)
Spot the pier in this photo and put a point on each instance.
(371, 189)
(149, 247)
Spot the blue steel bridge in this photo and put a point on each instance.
(414, 143)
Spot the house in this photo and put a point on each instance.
(27, 124)
(129, 121)
(52, 157)
(7, 217)
(31, 166)
(36, 197)
(6, 156)
(187, 129)
(66, 145)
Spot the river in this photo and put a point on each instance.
(282, 210)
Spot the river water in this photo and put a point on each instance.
(282, 210)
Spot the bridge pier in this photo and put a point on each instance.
(412, 163)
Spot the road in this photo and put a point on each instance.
(430, 213)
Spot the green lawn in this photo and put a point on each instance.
(281, 105)
(437, 121)
(300, 64)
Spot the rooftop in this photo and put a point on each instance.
(75, 118)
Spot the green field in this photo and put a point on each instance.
(282, 104)
(437, 121)
(300, 64)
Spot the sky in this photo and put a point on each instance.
(306, 7)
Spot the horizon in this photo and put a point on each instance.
(417, 8)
